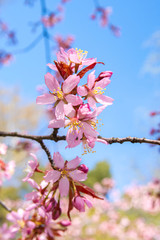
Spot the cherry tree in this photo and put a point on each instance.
(75, 97)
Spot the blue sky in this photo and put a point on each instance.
(135, 84)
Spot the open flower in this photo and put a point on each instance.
(65, 174)
(60, 96)
(94, 90)
(71, 61)
(32, 167)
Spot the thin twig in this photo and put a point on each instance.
(5, 207)
(47, 152)
(30, 46)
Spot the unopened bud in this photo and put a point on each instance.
(83, 168)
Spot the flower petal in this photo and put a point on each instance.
(104, 100)
(69, 110)
(64, 186)
(51, 82)
(92, 102)
(70, 83)
(46, 98)
(78, 175)
(73, 137)
(52, 66)
(74, 163)
(89, 131)
(91, 80)
(58, 160)
(102, 83)
(82, 91)
(56, 123)
(75, 100)
(52, 176)
(32, 183)
(59, 112)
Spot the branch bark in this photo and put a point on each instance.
(5, 207)
(130, 139)
(57, 138)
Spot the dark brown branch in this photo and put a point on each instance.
(130, 139)
(5, 207)
(57, 138)
(52, 136)
(47, 152)
(38, 139)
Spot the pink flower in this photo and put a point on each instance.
(116, 30)
(82, 126)
(64, 43)
(94, 90)
(5, 58)
(6, 170)
(21, 221)
(3, 148)
(65, 173)
(71, 61)
(51, 20)
(60, 96)
(79, 203)
(32, 167)
(6, 232)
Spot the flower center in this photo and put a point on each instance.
(21, 223)
(87, 149)
(64, 172)
(81, 54)
(74, 124)
(98, 90)
(58, 94)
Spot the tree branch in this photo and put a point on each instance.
(30, 46)
(5, 207)
(47, 152)
(130, 139)
(57, 138)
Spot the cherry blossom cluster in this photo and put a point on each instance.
(38, 219)
(75, 106)
(104, 14)
(4, 30)
(6, 169)
(65, 43)
(119, 219)
(51, 19)
(145, 197)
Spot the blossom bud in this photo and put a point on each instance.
(105, 74)
(65, 223)
(78, 203)
(56, 213)
(83, 168)
(51, 205)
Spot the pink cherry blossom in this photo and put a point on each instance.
(64, 43)
(79, 203)
(6, 232)
(60, 96)
(32, 167)
(71, 61)
(51, 20)
(6, 170)
(94, 90)
(3, 148)
(65, 173)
